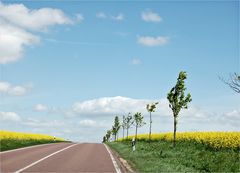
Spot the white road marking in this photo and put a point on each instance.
(34, 163)
(34, 146)
(113, 160)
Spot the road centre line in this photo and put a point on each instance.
(36, 162)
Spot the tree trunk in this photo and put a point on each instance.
(136, 134)
(150, 128)
(127, 133)
(123, 133)
(174, 131)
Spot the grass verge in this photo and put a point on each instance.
(160, 156)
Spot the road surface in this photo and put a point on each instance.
(59, 157)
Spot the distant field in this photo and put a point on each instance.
(194, 152)
(12, 140)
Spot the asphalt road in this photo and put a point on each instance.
(59, 157)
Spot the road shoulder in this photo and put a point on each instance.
(122, 163)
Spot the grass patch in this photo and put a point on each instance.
(9, 144)
(160, 156)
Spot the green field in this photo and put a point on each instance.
(160, 156)
(9, 144)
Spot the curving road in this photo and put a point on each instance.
(59, 157)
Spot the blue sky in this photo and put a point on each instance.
(67, 68)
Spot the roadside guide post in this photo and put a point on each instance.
(133, 144)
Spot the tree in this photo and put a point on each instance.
(138, 122)
(129, 122)
(233, 82)
(178, 100)
(123, 125)
(151, 108)
(108, 135)
(104, 139)
(116, 127)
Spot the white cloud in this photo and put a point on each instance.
(40, 107)
(13, 41)
(43, 123)
(87, 122)
(79, 17)
(111, 105)
(16, 22)
(37, 19)
(101, 15)
(9, 89)
(232, 118)
(9, 116)
(150, 16)
(136, 61)
(153, 41)
(118, 17)
(233, 114)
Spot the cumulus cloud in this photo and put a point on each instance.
(114, 105)
(40, 107)
(9, 89)
(9, 116)
(16, 24)
(37, 19)
(232, 118)
(118, 17)
(101, 15)
(13, 40)
(92, 123)
(32, 122)
(136, 61)
(108, 105)
(153, 41)
(150, 16)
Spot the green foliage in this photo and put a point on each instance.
(151, 108)
(176, 96)
(108, 135)
(138, 122)
(116, 127)
(104, 139)
(160, 156)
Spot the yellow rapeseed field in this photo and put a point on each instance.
(214, 139)
(7, 135)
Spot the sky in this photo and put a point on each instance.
(68, 68)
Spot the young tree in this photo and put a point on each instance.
(138, 122)
(233, 82)
(129, 122)
(123, 125)
(116, 127)
(151, 108)
(108, 135)
(104, 139)
(178, 100)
